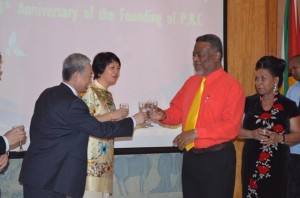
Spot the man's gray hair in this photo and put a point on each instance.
(74, 62)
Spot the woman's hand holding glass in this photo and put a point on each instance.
(260, 134)
(270, 137)
(124, 107)
(266, 137)
(120, 113)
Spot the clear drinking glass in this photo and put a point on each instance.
(20, 143)
(145, 107)
(152, 105)
(124, 106)
(148, 106)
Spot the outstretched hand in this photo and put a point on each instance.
(140, 117)
(158, 114)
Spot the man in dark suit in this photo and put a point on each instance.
(56, 161)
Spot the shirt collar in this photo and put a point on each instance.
(215, 74)
(72, 89)
(97, 84)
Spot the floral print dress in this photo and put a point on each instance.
(264, 168)
(100, 150)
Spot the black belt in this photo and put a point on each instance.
(213, 148)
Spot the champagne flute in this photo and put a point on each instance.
(144, 107)
(20, 142)
(152, 104)
(124, 106)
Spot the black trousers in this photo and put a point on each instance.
(294, 177)
(209, 175)
(32, 192)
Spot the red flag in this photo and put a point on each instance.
(294, 30)
(291, 37)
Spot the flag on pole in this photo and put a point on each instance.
(291, 33)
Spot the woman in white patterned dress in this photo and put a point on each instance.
(99, 181)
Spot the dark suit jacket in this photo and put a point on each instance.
(57, 155)
(2, 146)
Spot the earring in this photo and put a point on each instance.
(275, 90)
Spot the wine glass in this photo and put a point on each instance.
(144, 107)
(124, 106)
(152, 105)
(20, 142)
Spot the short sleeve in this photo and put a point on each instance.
(292, 109)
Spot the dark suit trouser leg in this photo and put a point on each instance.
(209, 175)
(32, 192)
(294, 177)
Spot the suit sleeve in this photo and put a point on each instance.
(79, 118)
(2, 146)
